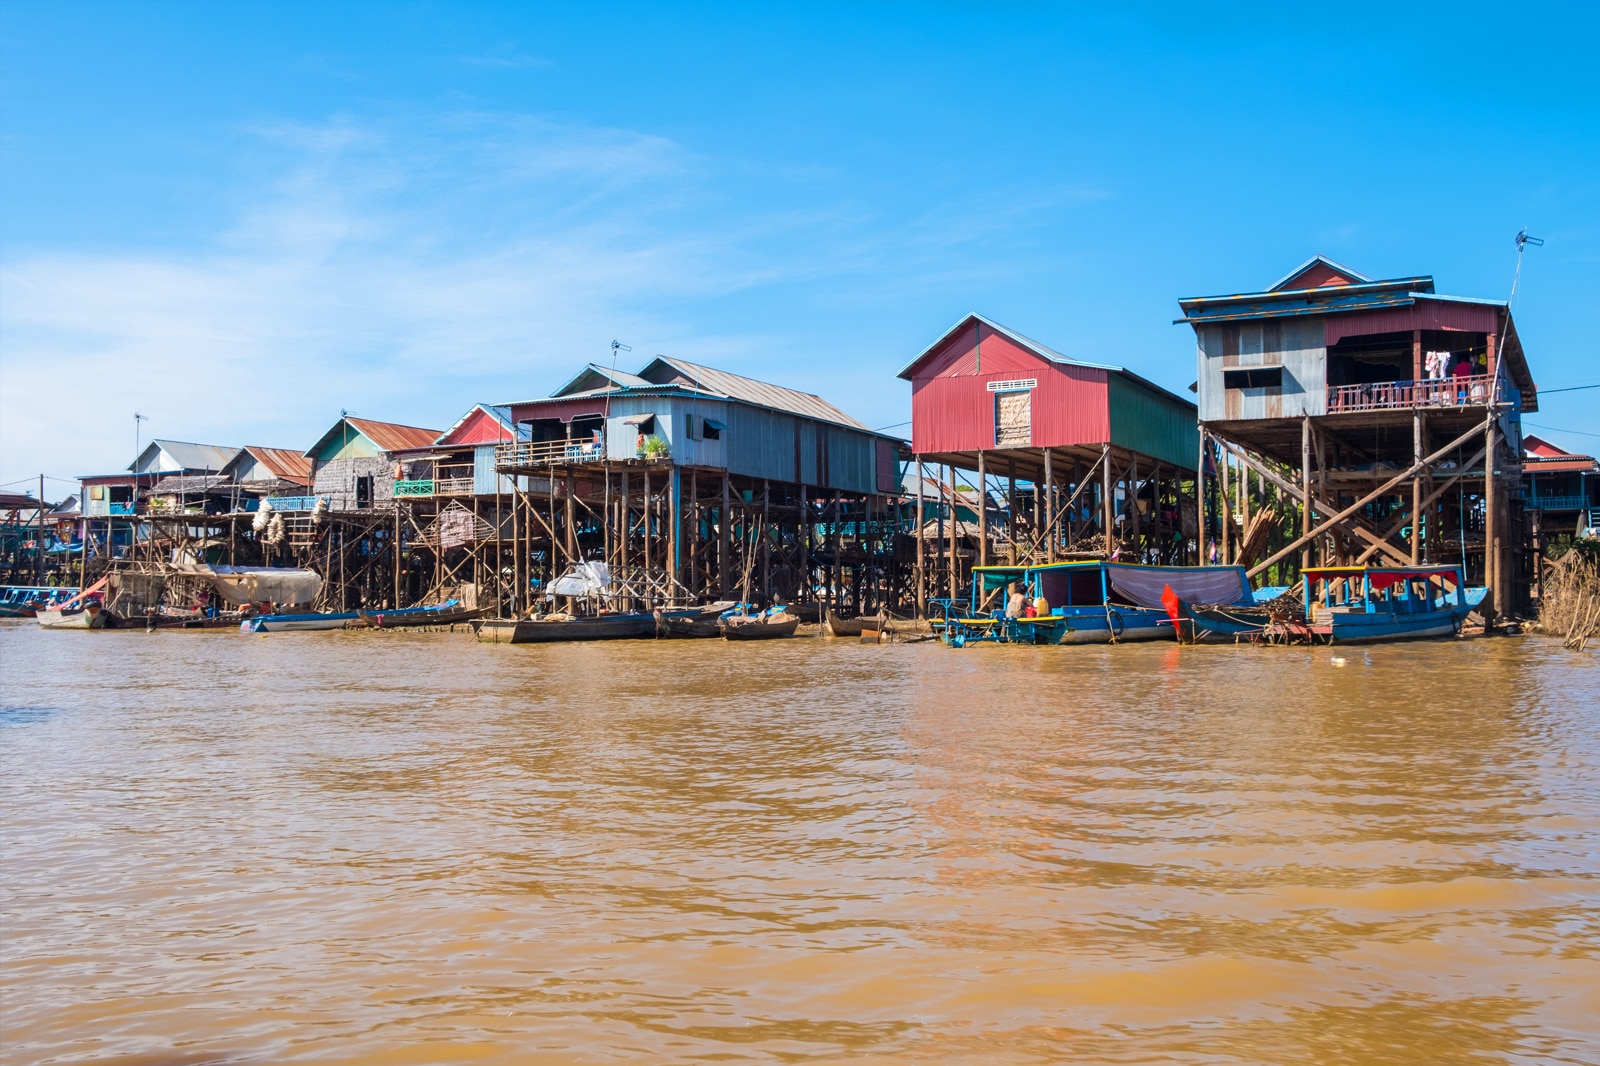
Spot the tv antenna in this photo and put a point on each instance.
(137, 418)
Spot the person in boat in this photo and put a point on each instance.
(1016, 602)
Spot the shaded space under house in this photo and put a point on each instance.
(1359, 420)
(1070, 458)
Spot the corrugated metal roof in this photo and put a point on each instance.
(186, 455)
(973, 316)
(1331, 264)
(762, 393)
(1042, 349)
(284, 463)
(694, 380)
(615, 377)
(393, 437)
(499, 412)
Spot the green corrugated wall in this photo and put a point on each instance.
(1152, 423)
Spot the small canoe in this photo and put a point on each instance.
(297, 623)
(89, 616)
(750, 627)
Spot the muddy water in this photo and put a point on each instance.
(382, 848)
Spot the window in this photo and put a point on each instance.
(1253, 377)
(688, 428)
(1013, 419)
(711, 429)
(363, 491)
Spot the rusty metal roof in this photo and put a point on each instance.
(286, 464)
(391, 436)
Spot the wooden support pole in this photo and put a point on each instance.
(1305, 491)
(955, 524)
(1200, 501)
(983, 511)
(922, 585)
(766, 539)
(808, 588)
(1011, 509)
(1049, 508)
(1133, 507)
(1416, 482)
(1105, 496)
(396, 605)
(1491, 517)
(724, 539)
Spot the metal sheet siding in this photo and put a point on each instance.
(1425, 314)
(759, 443)
(1292, 343)
(1151, 423)
(484, 482)
(852, 461)
(1069, 407)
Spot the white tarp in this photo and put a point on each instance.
(581, 579)
(262, 584)
(1199, 584)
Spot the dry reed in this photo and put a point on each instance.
(1570, 605)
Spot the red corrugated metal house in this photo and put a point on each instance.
(989, 400)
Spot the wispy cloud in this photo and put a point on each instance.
(408, 269)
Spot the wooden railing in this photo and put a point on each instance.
(548, 453)
(1474, 391)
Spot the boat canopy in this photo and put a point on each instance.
(284, 586)
(1379, 578)
(1193, 584)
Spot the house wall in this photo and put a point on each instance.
(336, 480)
(953, 410)
(1296, 344)
(1152, 423)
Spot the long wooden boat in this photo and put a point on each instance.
(633, 626)
(1366, 604)
(83, 611)
(1088, 602)
(87, 616)
(698, 623)
(759, 627)
(853, 627)
(441, 614)
(25, 601)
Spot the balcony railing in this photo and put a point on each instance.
(294, 503)
(414, 487)
(1555, 503)
(1473, 391)
(548, 453)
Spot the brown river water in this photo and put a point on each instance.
(390, 848)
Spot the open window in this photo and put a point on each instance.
(711, 429)
(363, 491)
(1253, 377)
(644, 425)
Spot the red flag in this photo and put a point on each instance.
(1170, 601)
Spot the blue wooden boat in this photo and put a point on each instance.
(1090, 602)
(25, 601)
(1360, 604)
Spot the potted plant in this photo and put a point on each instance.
(655, 447)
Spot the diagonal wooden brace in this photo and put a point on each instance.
(1388, 486)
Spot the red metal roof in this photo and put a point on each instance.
(285, 463)
(392, 437)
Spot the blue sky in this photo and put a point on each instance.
(241, 218)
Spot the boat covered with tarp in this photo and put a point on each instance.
(1086, 602)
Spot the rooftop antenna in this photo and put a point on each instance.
(1523, 240)
(137, 443)
(616, 346)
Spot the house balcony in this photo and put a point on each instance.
(523, 454)
(1555, 503)
(1473, 391)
